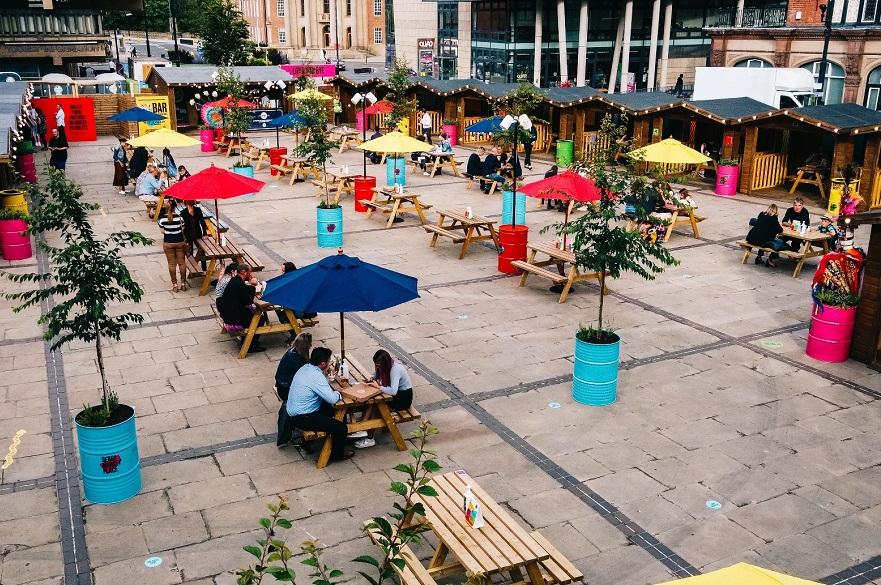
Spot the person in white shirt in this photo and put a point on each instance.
(59, 119)
(426, 125)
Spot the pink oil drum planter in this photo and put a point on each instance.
(15, 244)
(452, 131)
(831, 333)
(207, 138)
(726, 180)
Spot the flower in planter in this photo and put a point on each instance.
(397, 172)
(331, 227)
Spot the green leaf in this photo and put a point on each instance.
(253, 550)
(335, 573)
(366, 559)
(398, 488)
(284, 523)
(431, 466)
(426, 490)
(399, 563)
(310, 562)
(265, 522)
(403, 468)
(369, 578)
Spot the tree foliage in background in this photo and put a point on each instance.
(87, 275)
(398, 82)
(224, 34)
(236, 120)
(189, 16)
(524, 100)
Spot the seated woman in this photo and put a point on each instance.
(474, 168)
(291, 362)
(764, 233)
(390, 377)
(443, 146)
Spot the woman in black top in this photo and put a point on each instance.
(764, 233)
(293, 359)
(174, 245)
(194, 226)
(138, 162)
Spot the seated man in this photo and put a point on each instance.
(149, 185)
(474, 168)
(491, 168)
(234, 305)
(795, 213)
(310, 403)
(375, 157)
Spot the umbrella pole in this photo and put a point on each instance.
(342, 337)
(277, 143)
(217, 217)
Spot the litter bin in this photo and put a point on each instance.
(363, 190)
(275, 155)
(565, 152)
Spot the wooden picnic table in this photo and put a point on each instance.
(474, 229)
(257, 153)
(564, 260)
(810, 238)
(262, 308)
(297, 166)
(231, 143)
(348, 138)
(386, 200)
(816, 179)
(210, 250)
(500, 546)
(440, 160)
(338, 181)
(679, 216)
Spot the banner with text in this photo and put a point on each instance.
(79, 117)
(158, 104)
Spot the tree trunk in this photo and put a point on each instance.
(602, 279)
(100, 358)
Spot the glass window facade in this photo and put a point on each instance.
(447, 39)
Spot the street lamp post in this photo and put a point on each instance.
(146, 27)
(363, 99)
(174, 32)
(825, 17)
(514, 124)
(118, 64)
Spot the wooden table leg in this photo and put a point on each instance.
(534, 572)
(468, 235)
(324, 456)
(572, 272)
(669, 231)
(439, 556)
(796, 181)
(390, 424)
(440, 224)
(393, 214)
(693, 223)
(246, 342)
(801, 261)
(292, 319)
(492, 232)
(212, 264)
(525, 274)
(418, 207)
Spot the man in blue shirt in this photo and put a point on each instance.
(310, 403)
(149, 185)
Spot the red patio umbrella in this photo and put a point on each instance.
(214, 183)
(226, 103)
(564, 186)
(380, 107)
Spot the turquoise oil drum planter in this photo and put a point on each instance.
(329, 227)
(109, 461)
(517, 205)
(395, 171)
(595, 379)
(247, 171)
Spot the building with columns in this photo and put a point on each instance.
(302, 28)
(520, 40)
(794, 37)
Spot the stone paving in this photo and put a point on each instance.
(707, 408)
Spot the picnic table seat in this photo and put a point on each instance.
(748, 248)
(238, 330)
(400, 416)
(194, 268)
(554, 277)
(492, 188)
(457, 238)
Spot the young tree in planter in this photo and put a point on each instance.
(230, 83)
(318, 147)
(398, 83)
(600, 239)
(524, 100)
(87, 276)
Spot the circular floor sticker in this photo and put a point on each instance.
(462, 317)
(554, 405)
(713, 504)
(773, 344)
(153, 562)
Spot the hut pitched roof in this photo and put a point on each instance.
(201, 74)
(731, 108)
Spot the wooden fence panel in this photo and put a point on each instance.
(769, 169)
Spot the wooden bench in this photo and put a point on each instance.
(255, 265)
(554, 277)
(281, 171)
(457, 238)
(748, 248)
(400, 416)
(194, 269)
(413, 573)
(310, 322)
(492, 188)
(561, 570)
(254, 153)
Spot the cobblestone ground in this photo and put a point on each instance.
(717, 401)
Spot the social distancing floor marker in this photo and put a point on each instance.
(13, 449)
(773, 344)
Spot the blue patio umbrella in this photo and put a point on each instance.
(292, 119)
(341, 283)
(486, 126)
(136, 114)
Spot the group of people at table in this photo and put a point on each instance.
(495, 165)
(307, 398)
(768, 231)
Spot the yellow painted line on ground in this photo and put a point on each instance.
(16, 441)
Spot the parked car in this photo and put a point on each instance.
(341, 65)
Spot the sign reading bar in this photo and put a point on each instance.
(158, 105)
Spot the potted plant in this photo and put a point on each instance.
(509, 204)
(236, 118)
(15, 243)
(318, 148)
(88, 277)
(836, 298)
(451, 129)
(398, 84)
(602, 244)
(727, 172)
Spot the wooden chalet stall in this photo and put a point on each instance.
(181, 84)
(346, 85)
(778, 144)
(14, 96)
(866, 345)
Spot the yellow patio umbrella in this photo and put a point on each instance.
(164, 138)
(669, 151)
(742, 574)
(395, 142)
(310, 93)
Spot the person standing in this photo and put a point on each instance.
(34, 126)
(138, 162)
(310, 403)
(677, 89)
(194, 227)
(174, 246)
(60, 119)
(58, 150)
(41, 129)
(291, 362)
(425, 124)
(337, 111)
(527, 147)
(120, 172)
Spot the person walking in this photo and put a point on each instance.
(41, 129)
(58, 150)
(291, 362)
(677, 89)
(310, 403)
(175, 247)
(120, 172)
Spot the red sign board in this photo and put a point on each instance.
(318, 70)
(79, 117)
